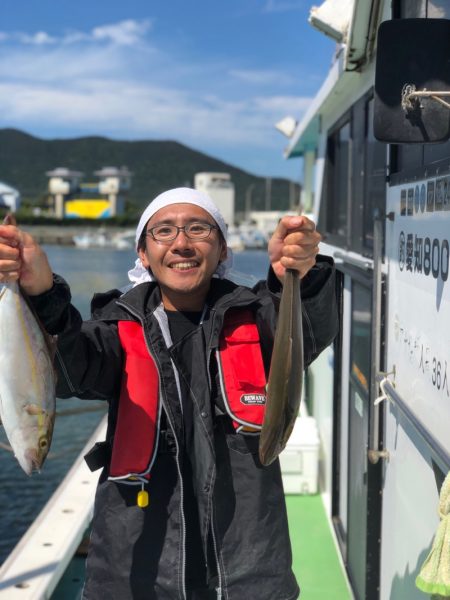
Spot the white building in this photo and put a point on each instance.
(9, 197)
(266, 221)
(62, 182)
(220, 188)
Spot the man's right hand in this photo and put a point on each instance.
(23, 260)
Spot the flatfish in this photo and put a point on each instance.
(286, 373)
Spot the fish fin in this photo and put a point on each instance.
(2, 292)
(34, 409)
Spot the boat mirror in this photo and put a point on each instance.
(412, 67)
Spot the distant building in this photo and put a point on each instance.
(267, 220)
(62, 183)
(9, 197)
(74, 198)
(220, 188)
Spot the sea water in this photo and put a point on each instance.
(87, 271)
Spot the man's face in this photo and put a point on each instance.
(183, 267)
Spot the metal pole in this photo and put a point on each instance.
(374, 452)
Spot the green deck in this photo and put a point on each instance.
(316, 563)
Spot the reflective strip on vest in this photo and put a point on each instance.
(241, 371)
(135, 437)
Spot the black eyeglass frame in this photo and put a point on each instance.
(184, 228)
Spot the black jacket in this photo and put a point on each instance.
(141, 553)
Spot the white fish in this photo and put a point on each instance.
(27, 380)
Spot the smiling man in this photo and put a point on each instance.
(184, 509)
(182, 246)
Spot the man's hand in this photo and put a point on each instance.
(23, 260)
(294, 245)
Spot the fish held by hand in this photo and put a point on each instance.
(27, 380)
(286, 373)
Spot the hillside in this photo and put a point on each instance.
(156, 166)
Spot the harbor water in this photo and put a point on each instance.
(87, 271)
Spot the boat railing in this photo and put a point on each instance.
(441, 455)
(36, 564)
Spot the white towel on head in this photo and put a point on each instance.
(139, 274)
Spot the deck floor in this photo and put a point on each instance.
(316, 563)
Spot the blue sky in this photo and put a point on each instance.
(215, 76)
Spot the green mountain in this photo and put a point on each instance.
(156, 166)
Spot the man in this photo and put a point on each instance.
(184, 508)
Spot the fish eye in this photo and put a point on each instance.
(43, 443)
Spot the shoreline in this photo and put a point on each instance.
(63, 235)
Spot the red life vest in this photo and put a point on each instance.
(241, 371)
(135, 437)
(243, 385)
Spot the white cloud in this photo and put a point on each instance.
(145, 111)
(124, 33)
(283, 104)
(273, 6)
(60, 65)
(261, 77)
(39, 38)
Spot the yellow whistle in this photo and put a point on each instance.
(142, 499)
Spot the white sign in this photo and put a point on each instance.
(417, 246)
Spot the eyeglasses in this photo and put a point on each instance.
(194, 231)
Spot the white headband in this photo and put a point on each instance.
(139, 273)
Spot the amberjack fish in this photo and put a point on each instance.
(27, 380)
(286, 373)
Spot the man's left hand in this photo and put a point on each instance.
(294, 245)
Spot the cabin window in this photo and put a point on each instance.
(410, 9)
(337, 184)
(438, 9)
(421, 9)
(360, 335)
(375, 177)
(353, 153)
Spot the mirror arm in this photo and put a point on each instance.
(410, 97)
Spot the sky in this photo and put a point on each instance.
(215, 76)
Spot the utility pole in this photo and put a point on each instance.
(268, 192)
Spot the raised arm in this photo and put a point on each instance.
(23, 260)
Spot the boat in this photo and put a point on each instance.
(234, 239)
(379, 195)
(246, 237)
(102, 238)
(379, 395)
(93, 239)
